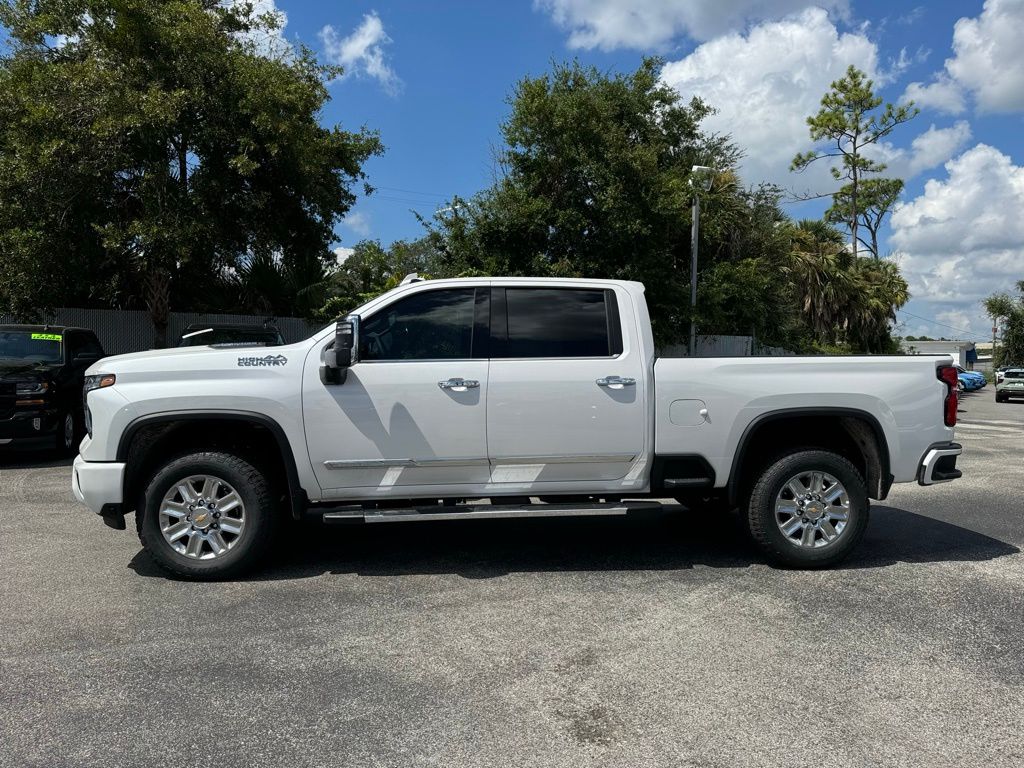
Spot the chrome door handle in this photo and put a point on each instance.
(616, 382)
(458, 385)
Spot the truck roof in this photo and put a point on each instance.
(43, 328)
(526, 279)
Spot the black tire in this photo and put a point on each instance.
(760, 509)
(64, 442)
(261, 514)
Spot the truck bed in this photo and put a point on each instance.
(695, 397)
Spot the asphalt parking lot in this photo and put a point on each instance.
(661, 640)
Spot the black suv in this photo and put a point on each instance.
(228, 334)
(41, 373)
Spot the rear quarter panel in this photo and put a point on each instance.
(901, 393)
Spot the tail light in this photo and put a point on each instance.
(948, 374)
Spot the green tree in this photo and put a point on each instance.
(876, 198)
(849, 121)
(151, 147)
(848, 302)
(1009, 309)
(371, 269)
(594, 183)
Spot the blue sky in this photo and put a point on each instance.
(433, 79)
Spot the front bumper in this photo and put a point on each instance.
(938, 465)
(98, 485)
(29, 428)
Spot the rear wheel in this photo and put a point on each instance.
(208, 516)
(808, 509)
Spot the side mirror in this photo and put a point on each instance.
(86, 357)
(345, 352)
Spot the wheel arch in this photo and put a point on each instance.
(861, 431)
(169, 424)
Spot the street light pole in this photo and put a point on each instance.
(704, 177)
(694, 232)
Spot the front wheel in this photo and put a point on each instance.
(808, 509)
(208, 516)
(64, 438)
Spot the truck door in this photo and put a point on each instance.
(566, 396)
(412, 411)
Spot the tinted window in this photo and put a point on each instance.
(433, 325)
(558, 322)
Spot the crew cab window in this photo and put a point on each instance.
(431, 325)
(560, 322)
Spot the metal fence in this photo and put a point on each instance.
(127, 330)
(724, 346)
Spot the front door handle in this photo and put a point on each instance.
(458, 385)
(616, 382)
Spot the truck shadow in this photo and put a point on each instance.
(672, 539)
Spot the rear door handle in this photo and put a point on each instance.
(458, 385)
(616, 382)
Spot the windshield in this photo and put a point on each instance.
(31, 346)
(250, 337)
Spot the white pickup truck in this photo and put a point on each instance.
(473, 398)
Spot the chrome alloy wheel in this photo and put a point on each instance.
(202, 516)
(812, 509)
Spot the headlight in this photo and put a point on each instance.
(95, 381)
(98, 381)
(32, 388)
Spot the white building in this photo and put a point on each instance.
(963, 352)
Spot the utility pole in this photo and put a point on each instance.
(694, 232)
(704, 176)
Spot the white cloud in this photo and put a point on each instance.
(362, 52)
(929, 149)
(942, 94)
(963, 237)
(935, 146)
(341, 253)
(988, 62)
(358, 222)
(764, 85)
(609, 24)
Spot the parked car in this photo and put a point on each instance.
(1012, 385)
(543, 395)
(1003, 369)
(229, 334)
(970, 380)
(42, 370)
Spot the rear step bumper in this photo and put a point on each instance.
(939, 464)
(481, 511)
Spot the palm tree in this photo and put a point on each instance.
(821, 284)
(845, 299)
